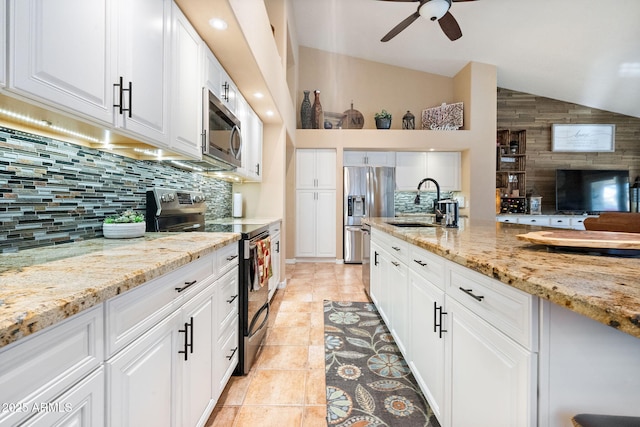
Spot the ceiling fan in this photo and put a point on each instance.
(434, 10)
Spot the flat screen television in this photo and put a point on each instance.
(592, 191)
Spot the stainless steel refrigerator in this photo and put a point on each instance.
(368, 192)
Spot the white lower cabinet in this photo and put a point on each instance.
(174, 373)
(197, 375)
(492, 378)
(378, 279)
(427, 338)
(143, 380)
(274, 233)
(82, 405)
(398, 297)
(44, 375)
(468, 339)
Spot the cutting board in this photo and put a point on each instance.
(584, 239)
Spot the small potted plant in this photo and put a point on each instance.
(383, 119)
(127, 225)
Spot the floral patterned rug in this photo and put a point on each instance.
(368, 381)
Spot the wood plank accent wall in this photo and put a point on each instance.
(536, 114)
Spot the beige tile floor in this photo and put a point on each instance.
(286, 386)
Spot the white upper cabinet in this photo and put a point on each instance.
(444, 167)
(411, 168)
(220, 84)
(369, 158)
(251, 144)
(142, 33)
(316, 169)
(60, 53)
(186, 92)
(213, 72)
(3, 43)
(104, 60)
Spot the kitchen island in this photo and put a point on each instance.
(603, 288)
(501, 332)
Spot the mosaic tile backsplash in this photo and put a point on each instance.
(54, 192)
(403, 202)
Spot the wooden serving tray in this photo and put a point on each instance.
(584, 239)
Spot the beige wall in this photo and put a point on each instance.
(371, 86)
(374, 86)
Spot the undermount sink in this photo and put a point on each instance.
(412, 224)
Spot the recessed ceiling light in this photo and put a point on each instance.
(218, 24)
(258, 95)
(269, 113)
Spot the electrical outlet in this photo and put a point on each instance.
(460, 200)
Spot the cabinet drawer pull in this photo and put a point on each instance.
(423, 264)
(232, 257)
(471, 294)
(232, 298)
(397, 264)
(187, 284)
(395, 248)
(232, 353)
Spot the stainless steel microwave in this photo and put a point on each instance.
(222, 138)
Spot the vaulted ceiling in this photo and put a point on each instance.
(581, 51)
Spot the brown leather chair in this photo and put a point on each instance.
(594, 420)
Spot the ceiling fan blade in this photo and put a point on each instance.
(450, 26)
(401, 26)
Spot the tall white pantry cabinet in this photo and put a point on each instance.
(315, 203)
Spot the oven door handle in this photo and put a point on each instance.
(256, 317)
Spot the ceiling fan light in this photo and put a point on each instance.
(435, 9)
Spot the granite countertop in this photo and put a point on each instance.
(40, 287)
(602, 287)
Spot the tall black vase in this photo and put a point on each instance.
(305, 111)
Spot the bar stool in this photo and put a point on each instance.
(594, 420)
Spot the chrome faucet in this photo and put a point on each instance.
(438, 213)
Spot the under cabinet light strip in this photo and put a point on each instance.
(46, 124)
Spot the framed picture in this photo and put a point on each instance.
(583, 138)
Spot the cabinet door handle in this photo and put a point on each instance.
(395, 248)
(232, 257)
(423, 264)
(397, 264)
(278, 247)
(232, 353)
(437, 319)
(188, 339)
(225, 91)
(187, 284)
(258, 169)
(375, 258)
(471, 294)
(232, 298)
